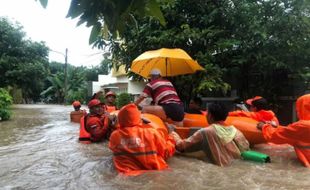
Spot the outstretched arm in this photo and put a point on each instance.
(165, 147)
(189, 144)
(281, 135)
(139, 100)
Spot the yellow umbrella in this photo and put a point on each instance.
(170, 62)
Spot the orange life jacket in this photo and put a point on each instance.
(110, 109)
(93, 128)
(84, 136)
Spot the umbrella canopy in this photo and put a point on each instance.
(171, 62)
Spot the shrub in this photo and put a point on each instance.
(4, 114)
(123, 99)
(5, 102)
(5, 98)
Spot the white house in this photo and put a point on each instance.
(118, 82)
(102, 80)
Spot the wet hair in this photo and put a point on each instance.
(197, 100)
(93, 97)
(260, 104)
(218, 111)
(96, 95)
(76, 108)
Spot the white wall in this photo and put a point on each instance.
(102, 80)
(121, 79)
(135, 87)
(96, 86)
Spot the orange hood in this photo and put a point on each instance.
(129, 116)
(303, 107)
(265, 115)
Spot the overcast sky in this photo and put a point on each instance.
(52, 26)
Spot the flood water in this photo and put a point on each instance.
(39, 150)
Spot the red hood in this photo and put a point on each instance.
(303, 107)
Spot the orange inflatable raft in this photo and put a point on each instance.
(193, 122)
(84, 136)
(150, 120)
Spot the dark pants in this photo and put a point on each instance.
(174, 111)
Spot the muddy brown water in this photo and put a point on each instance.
(39, 150)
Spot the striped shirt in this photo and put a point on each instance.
(161, 91)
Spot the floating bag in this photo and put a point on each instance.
(255, 156)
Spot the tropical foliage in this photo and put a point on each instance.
(108, 18)
(27, 74)
(76, 88)
(56, 90)
(257, 47)
(102, 69)
(240, 42)
(77, 77)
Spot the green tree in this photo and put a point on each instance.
(76, 88)
(271, 46)
(240, 43)
(110, 17)
(102, 69)
(22, 62)
(186, 28)
(55, 91)
(55, 67)
(78, 78)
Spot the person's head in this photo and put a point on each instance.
(129, 116)
(76, 105)
(216, 112)
(97, 95)
(155, 74)
(303, 107)
(195, 103)
(95, 107)
(110, 97)
(257, 103)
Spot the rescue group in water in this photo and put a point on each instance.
(143, 138)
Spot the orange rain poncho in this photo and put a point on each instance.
(262, 115)
(296, 134)
(136, 148)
